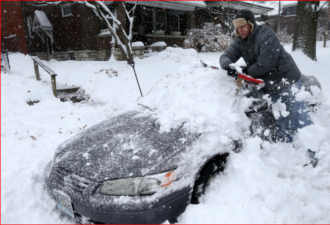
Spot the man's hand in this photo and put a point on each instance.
(231, 71)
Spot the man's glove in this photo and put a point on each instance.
(245, 70)
(231, 71)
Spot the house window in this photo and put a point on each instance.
(294, 10)
(71, 56)
(153, 20)
(66, 9)
(108, 53)
(29, 24)
(147, 21)
(160, 20)
(288, 11)
(284, 26)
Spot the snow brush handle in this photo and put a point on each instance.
(248, 78)
(244, 77)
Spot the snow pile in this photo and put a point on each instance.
(266, 183)
(308, 138)
(189, 97)
(313, 96)
(159, 44)
(138, 44)
(179, 55)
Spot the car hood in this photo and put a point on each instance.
(128, 145)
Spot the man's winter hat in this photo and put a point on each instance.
(242, 18)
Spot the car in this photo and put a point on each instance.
(125, 170)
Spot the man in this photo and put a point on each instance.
(266, 59)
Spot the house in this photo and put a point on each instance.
(223, 13)
(288, 20)
(69, 30)
(72, 31)
(12, 27)
(64, 31)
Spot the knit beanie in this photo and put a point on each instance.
(242, 18)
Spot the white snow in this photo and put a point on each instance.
(43, 19)
(11, 36)
(159, 43)
(104, 33)
(265, 183)
(200, 4)
(138, 44)
(279, 108)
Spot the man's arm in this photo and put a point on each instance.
(270, 50)
(231, 55)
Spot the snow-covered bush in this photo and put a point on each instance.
(284, 37)
(179, 55)
(209, 39)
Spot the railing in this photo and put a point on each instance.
(5, 61)
(36, 62)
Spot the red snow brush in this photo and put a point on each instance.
(244, 77)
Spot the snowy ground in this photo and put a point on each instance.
(267, 185)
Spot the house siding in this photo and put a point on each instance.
(72, 34)
(76, 32)
(12, 24)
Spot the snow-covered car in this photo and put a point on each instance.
(123, 170)
(126, 170)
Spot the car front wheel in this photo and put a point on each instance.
(210, 170)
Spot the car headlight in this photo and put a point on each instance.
(137, 186)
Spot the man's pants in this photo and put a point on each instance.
(298, 113)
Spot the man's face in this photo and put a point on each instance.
(245, 30)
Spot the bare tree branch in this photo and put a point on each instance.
(323, 5)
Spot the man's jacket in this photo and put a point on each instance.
(265, 58)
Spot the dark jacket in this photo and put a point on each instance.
(265, 58)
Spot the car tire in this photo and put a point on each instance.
(209, 171)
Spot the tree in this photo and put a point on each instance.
(306, 26)
(225, 15)
(327, 25)
(278, 18)
(122, 39)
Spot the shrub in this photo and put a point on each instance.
(284, 37)
(209, 39)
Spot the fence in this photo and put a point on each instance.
(10, 43)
